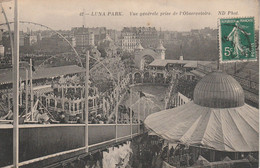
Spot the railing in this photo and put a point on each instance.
(248, 84)
(39, 142)
(171, 91)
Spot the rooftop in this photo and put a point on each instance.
(187, 63)
(50, 72)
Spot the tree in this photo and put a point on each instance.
(128, 59)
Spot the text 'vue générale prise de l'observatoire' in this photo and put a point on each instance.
(175, 13)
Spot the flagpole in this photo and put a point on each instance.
(31, 90)
(26, 93)
(84, 17)
(20, 92)
(86, 101)
(131, 113)
(117, 101)
(144, 110)
(62, 97)
(139, 110)
(16, 88)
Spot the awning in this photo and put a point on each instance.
(223, 129)
(43, 90)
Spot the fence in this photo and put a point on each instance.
(39, 142)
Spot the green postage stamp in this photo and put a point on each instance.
(237, 39)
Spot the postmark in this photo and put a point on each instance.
(237, 39)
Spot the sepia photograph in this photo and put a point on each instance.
(129, 84)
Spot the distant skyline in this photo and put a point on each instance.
(65, 14)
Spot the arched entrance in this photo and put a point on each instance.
(137, 78)
(159, 78)
(145, 57)
(147, 77)
(130, 78)
(146, 60)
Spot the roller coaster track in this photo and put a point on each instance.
(64, 38)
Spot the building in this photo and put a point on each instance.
(39, 36)
(29, 40)
(99, 33)
(145, 56)
(55, 44)
(107, 47)
(6, 39)
(129, 41)
(2, 51)
(148, 36)
(1, 36)
(112, 34)
(132, 36)
(168, 37)
(83, 37)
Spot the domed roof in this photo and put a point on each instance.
(160, 46)
(219, 90)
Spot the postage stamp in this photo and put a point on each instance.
(237, 39)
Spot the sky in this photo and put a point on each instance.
(64, 14)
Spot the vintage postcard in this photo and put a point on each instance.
(129, 84)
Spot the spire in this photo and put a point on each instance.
(108, 38)
(161, 50)
(139, 47)
(160, 46)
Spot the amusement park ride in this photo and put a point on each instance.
(50, 123)
(31, 144)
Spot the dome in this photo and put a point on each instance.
(219, 90)
(160, 46)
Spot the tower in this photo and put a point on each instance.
(91, 39)
(161, 50)
(139, 48)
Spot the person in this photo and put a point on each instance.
(43, 117)
(171, 151)
(78, 119)
(164, 152)
(235, 37)
(63, 119)
(8, 116)
(94, 120)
